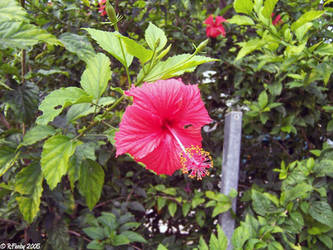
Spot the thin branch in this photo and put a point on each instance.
(9, 221)
(78, 235)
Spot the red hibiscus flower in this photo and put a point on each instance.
(102, 7)
(277, 20)
(215, 28)
(162, 129)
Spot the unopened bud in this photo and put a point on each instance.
(111, 12)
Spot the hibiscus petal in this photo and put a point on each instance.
(221, 31)
(162, 98)
(209, 20)
(139, 132)
(193, 108)
(219, 20)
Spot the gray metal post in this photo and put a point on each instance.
(230, 167)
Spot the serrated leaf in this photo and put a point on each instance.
(57, 100)
(55, 157)
(23, 100)
(240, 236)
(36, 134)
(219, 243)
(243, 6)
(96, 76)
(175, 66)
(11, 10)
(78, 45)
(155, 36)
(16, 34)
(77, 111)
(221, 208)
(241, 20)
(96, 233)
(29, 182)
(137, 50)
(8, 157)
(263, 99)
(298, 191)
(134, 237)
(248, 47)
(269, 6)
(110, 42)
(202, 244)
(306, 17)
(322, 212)
(261, 204)
(91, 182)
(172, 207)
(161, 247)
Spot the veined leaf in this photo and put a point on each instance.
(29, 184)
(11, 10)
(248, 47)
(243, 6)
(95, 78)
(8, 157)
(269, 6)
(219, 243)
(137, 50)
(155, 37)
(78, 45)
(16, 34)
(322, 212)
(36, 134)
(241, 20)
(172, 207)
(134, 237)
(307, 17)
(59, 99)
(55, 157)
(91, 182)
(83, 109)
(110, 42)
(175, 66)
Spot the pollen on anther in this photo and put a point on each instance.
(196, 162)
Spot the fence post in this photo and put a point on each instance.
(230, 167)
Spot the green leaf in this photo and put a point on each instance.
(327, 240)
(16, 34)
(8, 157)
(96, 244)
(172, 207)
(274, 245)
(243, 6)
(23, 100)
(134, 237)
(11, 10)
(241, 20)
(161, 247)
(96, 233)
(269, 6)
(59, 99)
(186, 208)
(161, 201)
(120, 240)
(137, 50)
(95, 78)
(263, 99)
(91, 182)
(302, 30)
(110, 42)
(77, 111)
(240, 236)
(29, 182)
(55, 157)
(322, 212)
(200, 217)
(155, 37)
(248, 47)
(299, 191)
(202, 244)
(261, 204)
(175, 66)
(78, 45)
(36, 134)
(306, 17)
(221, 208)
(330, 126)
